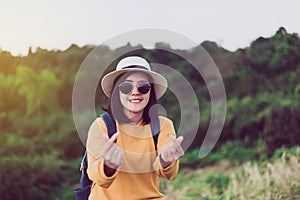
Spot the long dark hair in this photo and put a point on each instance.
(115, 108)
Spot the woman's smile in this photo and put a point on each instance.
(135, 100)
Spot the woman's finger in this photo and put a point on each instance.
(119, 157)
(177, 143)
(112, 157)
(179, 140)
(108, 142)
(114, 137)
(164, 155)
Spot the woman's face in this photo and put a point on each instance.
(133, 100)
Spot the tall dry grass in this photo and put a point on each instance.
(276, 180)
(269, 180)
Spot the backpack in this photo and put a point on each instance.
(84, 191)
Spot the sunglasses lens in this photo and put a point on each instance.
(125, 88)
(144, 88)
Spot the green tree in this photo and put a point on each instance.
(39, 89)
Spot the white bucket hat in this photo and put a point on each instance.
(137, 64)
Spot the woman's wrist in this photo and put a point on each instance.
(109, 171)
(163, 163)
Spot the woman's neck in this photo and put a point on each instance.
(134, 117)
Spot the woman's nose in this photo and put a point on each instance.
(135, 90)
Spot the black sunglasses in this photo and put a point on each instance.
(143, 87)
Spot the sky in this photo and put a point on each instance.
(57, 24)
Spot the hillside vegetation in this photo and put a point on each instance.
(41, 151)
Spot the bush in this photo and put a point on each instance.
(30, 177)
(281, 129)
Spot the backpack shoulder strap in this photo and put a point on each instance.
(155, 129)
(110, 124)
(111, 128)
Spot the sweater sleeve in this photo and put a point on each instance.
(95, 142)
(167, 129)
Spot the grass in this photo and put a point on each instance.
(275, 178)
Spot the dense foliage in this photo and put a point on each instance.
(40, 149)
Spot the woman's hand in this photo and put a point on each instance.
(111, 154)
(171, 152)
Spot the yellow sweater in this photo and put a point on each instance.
(138, 176)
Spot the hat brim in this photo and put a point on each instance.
(160, 82)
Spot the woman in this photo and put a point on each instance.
(127, 165)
